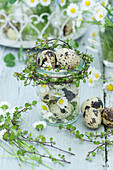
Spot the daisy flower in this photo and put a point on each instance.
(2, 112)
(62, 102)
(39, 125)
(79, 20)
(31, 3)
(87, 5)
(2, 133)
(108, 86)
(45, 2)
(91, 81)
(43, 88)
(44, 107)
(99, 13)
(57, 93)
(72, 10)
(104, 2)
(62, 2)
(95, 73)
(91, 48)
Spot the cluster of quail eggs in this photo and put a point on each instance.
(59, 103)
(94, 114)
(62, 57)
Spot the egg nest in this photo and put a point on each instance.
(58, 74)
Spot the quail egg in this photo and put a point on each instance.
(107, 116)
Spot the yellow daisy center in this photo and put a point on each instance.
(93, 34)
(110, 87)
(93, 17)
(58, 94)
(103, 3)
(97, 76)
(44, 85)
(98, 10)
(60, 101)
(44, 107)
(79, 20)
(91, 80)
(44, 74)
(72, 10)
(87, 3)
(62, 1)
(32, 1)
(100, 15)
(44, 0)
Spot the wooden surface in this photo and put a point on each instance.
(16, 94)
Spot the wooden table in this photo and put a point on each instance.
(16, 94)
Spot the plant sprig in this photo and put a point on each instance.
(100, 140)
(25, 142)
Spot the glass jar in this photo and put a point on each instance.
(59, 104)
(107, 46)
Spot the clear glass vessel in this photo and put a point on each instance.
(59, 104)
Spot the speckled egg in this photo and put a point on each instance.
(47, 56)
(92, 117)
(94, 102)
(59, 113)
(107, 116)
(67, 57)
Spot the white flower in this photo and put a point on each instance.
(94, 42)
(99, 13)
(31, 3)
(43, 123)
(62, 102)
(2, 133)
(93, 34)
(63, 2)
(72, 10)
(79, 20)
(87, 5)
(104, 2)
(45, 2)
(108, 87)
(44, 107)
(43, 88)
(96, 74)
(91, 48)
(91, 81)
(57, 93)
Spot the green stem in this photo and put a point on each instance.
(6, 149)
(41, 144)
(8, 156)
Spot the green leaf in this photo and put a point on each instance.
(69, 149)
(60, 126)
(44, 36)
(10, 64)
(12, 1)
(34, 102)
(9, 57)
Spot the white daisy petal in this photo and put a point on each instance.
(2, 133)
(62, 102)
(87, 5)
(63, 2)
(72, 10)
(31, 3)
(45, 2)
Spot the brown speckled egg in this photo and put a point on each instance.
(107, 116)
(47, 56)
(92, 118)
(94, 102)
(67, 57)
